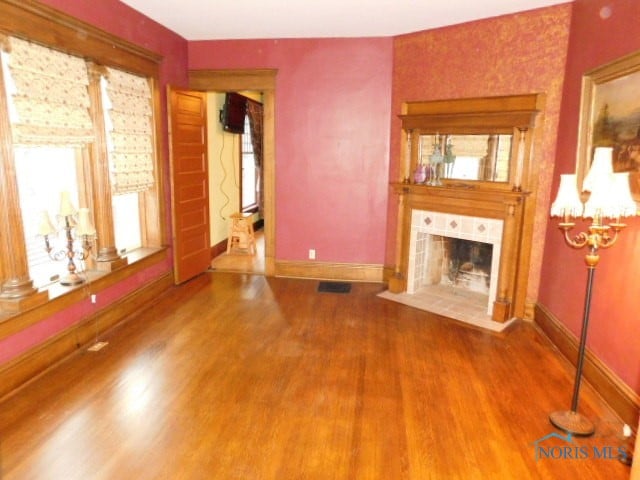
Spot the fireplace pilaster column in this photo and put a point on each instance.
(398, 282)
(503, 306)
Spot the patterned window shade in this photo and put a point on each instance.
(470, 145)
(48, 96)
(128, 111)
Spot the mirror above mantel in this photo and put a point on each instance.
(479, 157)
(470, 162)
(480, 142)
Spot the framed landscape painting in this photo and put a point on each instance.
(610, 116)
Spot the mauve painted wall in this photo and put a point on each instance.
(120, 20)
(332, 140)
(511, 54)
(614, 330)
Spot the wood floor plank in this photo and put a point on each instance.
(234, 376)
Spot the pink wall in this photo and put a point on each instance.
(615, 323)
(512, 54)
(120, 20)
(332, 140)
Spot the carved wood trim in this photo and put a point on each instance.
(34, 21)
(16, 283)
(101, 204)
(233, 80)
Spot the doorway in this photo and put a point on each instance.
(262, 80)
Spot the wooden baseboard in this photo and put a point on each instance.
(21, 370)
(620, 397)
(329, 271)
(218, 249)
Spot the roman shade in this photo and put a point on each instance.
(47, 95)
(129, 120)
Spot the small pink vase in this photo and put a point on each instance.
(420, 173)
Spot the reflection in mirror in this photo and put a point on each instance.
(465, 157)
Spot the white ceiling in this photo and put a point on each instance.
(250, 19)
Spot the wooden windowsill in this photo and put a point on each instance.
(61, 297)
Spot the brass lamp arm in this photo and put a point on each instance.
(598, 236)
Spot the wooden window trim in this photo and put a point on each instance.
(42, 24)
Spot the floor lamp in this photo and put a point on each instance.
(609, 198)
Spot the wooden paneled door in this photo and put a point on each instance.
(189, 183)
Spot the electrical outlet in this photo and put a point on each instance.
(94, 298)
(312, 254)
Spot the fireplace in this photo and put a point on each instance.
(499, 201)
(456, 257)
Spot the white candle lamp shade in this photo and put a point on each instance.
(600, 202)
(600, 167)
(623, 204)
(66, 207)
(611, 197)
(84, 226)
(78, 232)
(45, 227)
(567, 202)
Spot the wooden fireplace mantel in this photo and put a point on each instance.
(512, 201)
(503, 205)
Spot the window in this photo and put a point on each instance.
(41, 174)
(126, 222)
(57, 142)
(249, 182)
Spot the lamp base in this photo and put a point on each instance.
(572, 422)
(71, 280)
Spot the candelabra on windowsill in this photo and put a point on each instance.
(76, 225)
(610, 197)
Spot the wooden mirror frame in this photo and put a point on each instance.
(511, 115)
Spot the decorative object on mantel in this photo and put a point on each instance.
(420, 173)
(449, 158)
(76, 224)
(610, 197)
(435, 163)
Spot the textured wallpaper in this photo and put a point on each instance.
(511, 54)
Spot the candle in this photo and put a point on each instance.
(45, 227)
(85, 227)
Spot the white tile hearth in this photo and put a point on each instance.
(462, 305)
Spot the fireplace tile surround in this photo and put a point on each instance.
(457, 303)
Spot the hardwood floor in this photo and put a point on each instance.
(235, 376)
(242, 263)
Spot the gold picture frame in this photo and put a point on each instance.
(610, 116)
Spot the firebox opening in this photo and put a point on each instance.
(467, 264)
